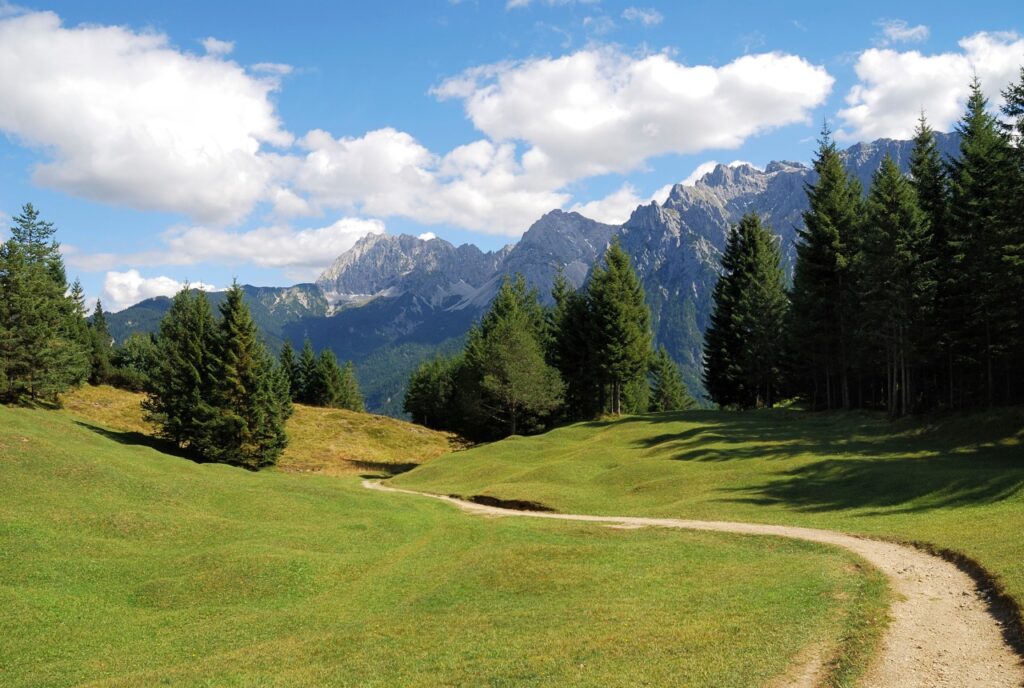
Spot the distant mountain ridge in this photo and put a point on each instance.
(390, 301)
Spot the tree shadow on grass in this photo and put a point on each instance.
(139, 439)
(381, 469)
(891, 486)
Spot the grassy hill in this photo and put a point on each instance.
(121, 565)
(331, 441)
(953, 483)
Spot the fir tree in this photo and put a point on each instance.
(668, 392)
(179, 386)
(621, 331)
(981, 285)
(326, 387)
(351, 397)
(899, 284)
(825, 282)
(306, 375)
(247, 424)
(744, 344)
(571, 351)
(101, 346)
(290, 369)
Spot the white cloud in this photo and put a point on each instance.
(647, 17)
(122, 289)
(615, 208)
(698, 173)
(270, 247)
(895, 86)
(512, 4)
(215, 46)
(427, 236)
(127, 119)
(275, 68)
(898, 31)
(598, 111)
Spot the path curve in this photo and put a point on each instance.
(942, 632)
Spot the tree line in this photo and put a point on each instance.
(525, 367)
(909, 298)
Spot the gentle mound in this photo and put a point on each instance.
(320, 440)
(125, 566)
(955, 483)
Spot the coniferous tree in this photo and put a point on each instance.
(351, 397)
(899, 287)
(981, 290)
(290, 369)
(248, 403)
(326, 386)
(620, 323)
(306, 375)
(101, 346)
(668, 392)
(1013, 253)
(132, 361)
(429, 394)
(571, 351)
(43, 348)
(825, 282)
(744, 344)
(179, 386)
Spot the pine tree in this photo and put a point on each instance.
(351, 397)
(745, 343)
(931, 185)
(899, 284)
(621, 328)
(306, 375)
(982, 283)
(327, 382)
(290, 369)
(101, 346)
(668, 393)
(179, 386)
(42, 346)
(825, 281)
(247, 424)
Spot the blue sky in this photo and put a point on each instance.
(199, 142)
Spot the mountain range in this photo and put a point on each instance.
(391, 301)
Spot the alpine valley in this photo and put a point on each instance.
(391, 301)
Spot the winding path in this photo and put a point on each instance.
(942, 631)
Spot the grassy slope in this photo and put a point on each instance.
(955, 484)
(120, 565)
(331, 441)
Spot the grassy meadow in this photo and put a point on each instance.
(953, 483)
(123, 565)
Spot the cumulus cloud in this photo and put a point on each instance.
(122, 289)
(215, 46)
(895, 86)
(301, 251)
(898, 31)
(598, 111)
(125, 118)
(647, 17)
(427, 236)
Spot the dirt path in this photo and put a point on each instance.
(942, 632)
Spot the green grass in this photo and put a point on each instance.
(954, 483)
(124, 566)
(321, 440)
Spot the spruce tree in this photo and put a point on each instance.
(428, 398)
(745, 343)
(290, 369)
(101, 347)
(620, 325)
(825, 281)
(351, 397)
(981, 288)
(899, 284)
(306, 375)
(571, 350)
(179, 386)
(327, 383)
(247, 423)
(668, 392)
(42, 344)
(1013, 251)
(931, 185)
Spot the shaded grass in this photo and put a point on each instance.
(320, 440)
(124, 566)
(954, 482)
